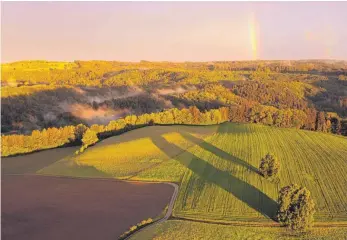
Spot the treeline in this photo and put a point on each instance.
(308, 119)
(56, 137)
(244, 112)
(9, 91)
(309, 66)
(38, 140)
(53, 108)
(112, 77)
(112, 73)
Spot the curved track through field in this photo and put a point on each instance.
(167, 215)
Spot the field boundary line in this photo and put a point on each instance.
(88, 178)
(167, 215)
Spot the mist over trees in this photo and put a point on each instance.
(71, 135)
(42, 95)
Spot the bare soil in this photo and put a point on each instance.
(40, 207)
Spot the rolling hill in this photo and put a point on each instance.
(216, 167)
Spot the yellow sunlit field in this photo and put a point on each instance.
(179, 121)
(216, 168)
(135, 155)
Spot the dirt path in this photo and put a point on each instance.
(167, 215)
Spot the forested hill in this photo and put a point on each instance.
(308, 94)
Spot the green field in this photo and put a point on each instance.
(181, 230)
(222, 182)
(134, 155)
(216, 167)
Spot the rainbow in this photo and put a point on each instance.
(253, 36)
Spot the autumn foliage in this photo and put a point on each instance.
(38, 140)
(56, 137)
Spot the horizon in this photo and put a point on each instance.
(173, 31)
(166, 61)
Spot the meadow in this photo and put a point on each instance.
(179, 230)
(133, 155)
(223, 184)
(216, 167)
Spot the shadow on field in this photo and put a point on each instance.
(243, 191)
(68, 167)
(218, 152)
(32, 162)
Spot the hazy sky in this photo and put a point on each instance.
(173, 31)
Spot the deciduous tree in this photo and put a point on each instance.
(90, 137)
(296, 207)
(269, 166)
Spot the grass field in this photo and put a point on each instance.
(134, 155)
(216, 167)
(222, 182)
(179, 230)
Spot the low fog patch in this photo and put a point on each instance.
(101, 115)
(170, 91)
(100, 95)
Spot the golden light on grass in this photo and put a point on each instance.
(217, 176)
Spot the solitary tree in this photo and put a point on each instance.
(89, 137)
(296, 207)
(269, 166)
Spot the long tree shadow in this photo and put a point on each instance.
(243, 191)
(219, 152)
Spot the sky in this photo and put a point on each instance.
(173, 31)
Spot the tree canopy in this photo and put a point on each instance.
(269, 166)
(296, 207)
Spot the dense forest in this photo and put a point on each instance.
(39, 95)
